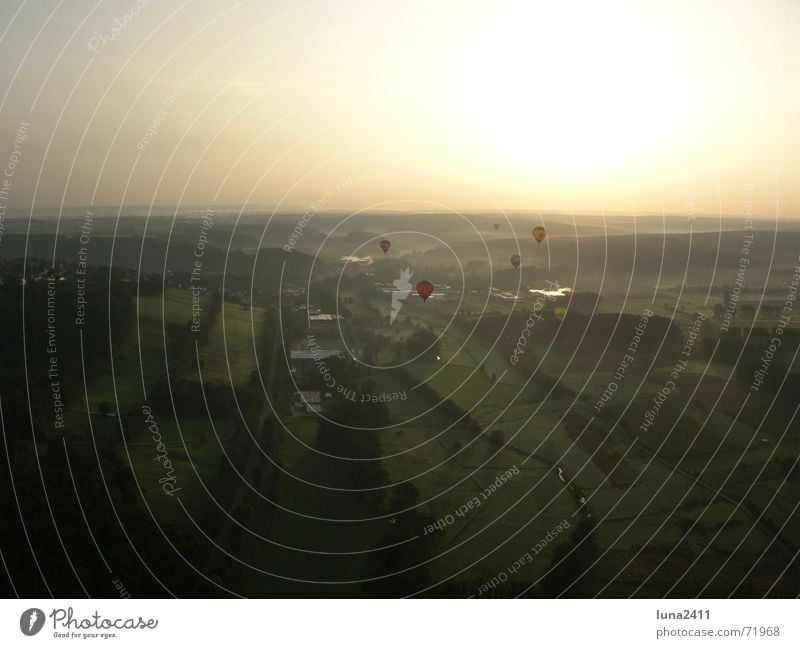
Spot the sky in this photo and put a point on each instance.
(677, 106)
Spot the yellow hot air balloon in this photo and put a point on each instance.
(539, 233)
(559, 313)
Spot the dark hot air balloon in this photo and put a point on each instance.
(424, 289)
(496, 226)
(385, 245)
(539, 233)
(516, 259)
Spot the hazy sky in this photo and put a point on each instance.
(451, 104)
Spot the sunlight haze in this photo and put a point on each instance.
(573, 106)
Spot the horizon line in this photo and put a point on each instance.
(290, 210)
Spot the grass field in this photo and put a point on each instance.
(634, 491)
(229, 356)
(138, 363)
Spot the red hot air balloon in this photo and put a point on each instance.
(516, 259)
(424, 289)
(385, 245)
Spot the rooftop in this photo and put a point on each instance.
(314, 355)
(310, 397)
(324, 317)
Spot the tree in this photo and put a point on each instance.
(497, 438)
(423, 343)
(788, 466)
(348, 434)
(571, 563)
(407, 560)
(104, 407)
(405, 496)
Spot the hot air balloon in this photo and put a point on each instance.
(559, 313)
(516, 259)
(424, 289)
(539, 233)
(496, 226)
(385, 245)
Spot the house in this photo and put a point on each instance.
(309, 403)
(323, 321)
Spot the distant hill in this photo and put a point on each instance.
(155, 255)
(700, 257)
